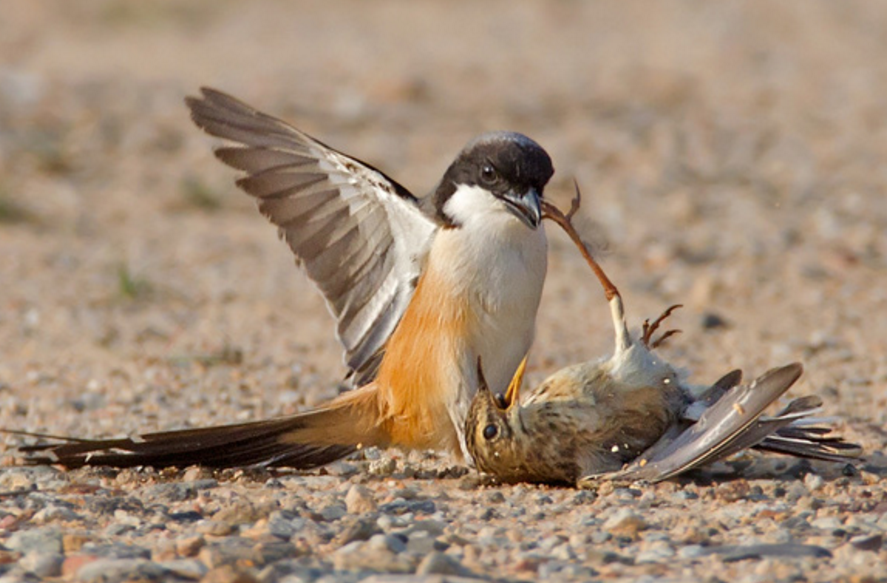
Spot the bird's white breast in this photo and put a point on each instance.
(495, 266)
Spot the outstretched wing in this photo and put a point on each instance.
(361, 236)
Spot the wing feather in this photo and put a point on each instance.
(361, 237)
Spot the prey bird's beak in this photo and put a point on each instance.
(482, 386)
(512, 395)
(483, 389)
(525, 206)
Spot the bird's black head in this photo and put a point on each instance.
(507, 166)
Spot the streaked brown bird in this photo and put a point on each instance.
(634, 417)
(420, 289)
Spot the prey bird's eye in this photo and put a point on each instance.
(490, 431)
(488, 174)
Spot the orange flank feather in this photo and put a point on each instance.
(406, 406)
(416, 376)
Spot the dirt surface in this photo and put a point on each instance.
(733, 158)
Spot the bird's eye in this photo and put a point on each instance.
(488, 174)
(490, 431)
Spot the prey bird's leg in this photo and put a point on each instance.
(623, 336)
(650, 328)
(617, 310)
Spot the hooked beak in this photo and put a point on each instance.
(525, 206)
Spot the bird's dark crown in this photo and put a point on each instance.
(499, 162)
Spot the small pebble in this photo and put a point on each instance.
(872, 542)
(72, 564)
(713, 321)
(383, 467)
(359, 530)
(375, 555)
(214, 528)
(116, 550)
(120, 570)
(420, 543)
(189, 546)
(191, 569)
(229, 574)
(227, 551)
(43, 564)
(360, 500)
(333, 512)
(47, 539)
(691, 551)
(813, 482)
(625, 523)
(436, 563)
(657, 553)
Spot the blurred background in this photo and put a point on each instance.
(731, 155)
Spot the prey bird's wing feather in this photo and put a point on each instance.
(361, 236)
(813, 442)
(729, 425)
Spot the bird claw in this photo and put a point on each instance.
(668, 334)
(650, 328)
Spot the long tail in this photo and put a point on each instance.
(303, 441)
(735, 422)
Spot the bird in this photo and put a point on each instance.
(634, 416)
(419, 288)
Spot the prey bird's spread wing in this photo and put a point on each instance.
(361, 236)
(736, 422)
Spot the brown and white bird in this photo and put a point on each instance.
(633, 416)
(420, 289)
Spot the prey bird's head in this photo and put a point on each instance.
(497, 172)
(493, 433)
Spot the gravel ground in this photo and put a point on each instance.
(732, 157)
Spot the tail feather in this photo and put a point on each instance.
(810, 442)
(736, 422)
(302, 441)
(791, 432)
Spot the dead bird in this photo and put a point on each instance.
(633, 416)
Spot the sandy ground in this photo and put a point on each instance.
(732, 158)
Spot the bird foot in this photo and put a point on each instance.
(650, 328)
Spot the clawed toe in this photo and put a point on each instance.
(650, 328)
